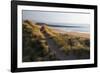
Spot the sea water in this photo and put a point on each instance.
(71, 27)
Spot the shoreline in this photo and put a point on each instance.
(74, 33)
(79, 34)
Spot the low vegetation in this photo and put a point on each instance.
(35, 46)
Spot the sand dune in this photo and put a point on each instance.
(80, 34)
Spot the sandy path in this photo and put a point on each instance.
(55, 49)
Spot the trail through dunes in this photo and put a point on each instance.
(42, 43)
(55, 49)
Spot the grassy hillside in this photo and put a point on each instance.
(69, 44)
(35, 46)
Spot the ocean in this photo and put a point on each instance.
(71, 27)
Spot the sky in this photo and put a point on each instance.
(56, 17)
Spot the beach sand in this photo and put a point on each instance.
(77, 34)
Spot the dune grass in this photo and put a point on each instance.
(35, 46)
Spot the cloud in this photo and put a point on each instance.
(56, 17)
